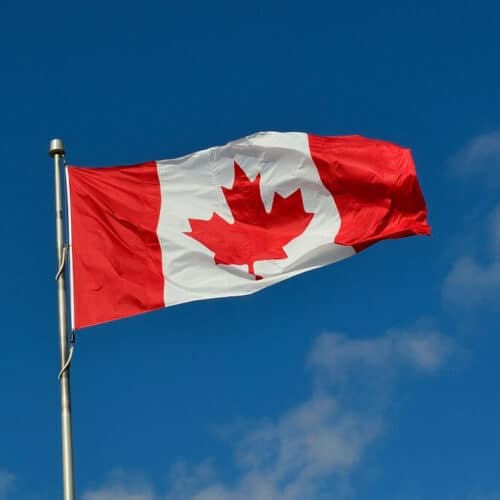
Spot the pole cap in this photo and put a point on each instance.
(56, 147)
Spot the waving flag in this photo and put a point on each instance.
(232, 220)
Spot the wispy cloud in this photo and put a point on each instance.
(337, 354)
(6, 482)
(481, 156)
(472, 283)
(118, 492)
(122, 486)
(309, 451)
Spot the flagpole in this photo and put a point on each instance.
(56, 151)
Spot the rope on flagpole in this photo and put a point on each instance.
(68, 361)
(62, 265)
(63, 261)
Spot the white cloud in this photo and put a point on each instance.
(121, 486)
(479, 156)
(470, 283)
(118, 492)
(308, 452)
(474, 283)
(423, 349)
(6, 482)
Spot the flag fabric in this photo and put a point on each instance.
(231, 220)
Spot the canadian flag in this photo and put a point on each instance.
(231, 220)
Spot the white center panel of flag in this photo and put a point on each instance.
(191, 188)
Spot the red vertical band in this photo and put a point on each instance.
(116, 255)
(375, 188)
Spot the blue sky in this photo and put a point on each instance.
(374, 378)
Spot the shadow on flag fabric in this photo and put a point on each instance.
(231, 220)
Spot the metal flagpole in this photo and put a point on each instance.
(56, 151)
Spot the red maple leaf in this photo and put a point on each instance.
(255, 234)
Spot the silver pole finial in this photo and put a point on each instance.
(56, 147)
